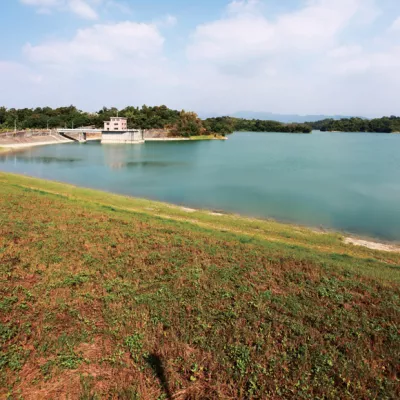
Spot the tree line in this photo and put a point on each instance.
(181, 123)
(384, 125)
(229, 124)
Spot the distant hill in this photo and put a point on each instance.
(286, 118)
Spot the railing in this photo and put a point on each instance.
(78, 130)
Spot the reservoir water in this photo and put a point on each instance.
(343, 181)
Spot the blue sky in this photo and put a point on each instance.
(211, 56)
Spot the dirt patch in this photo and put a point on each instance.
(373, 245)
(189, 210)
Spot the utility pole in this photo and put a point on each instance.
(47, 124)
(15, 126)
(72, 124)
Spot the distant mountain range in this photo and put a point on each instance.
(286, 118)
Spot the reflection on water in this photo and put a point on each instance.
(43, 159)
(160, 164)
(337, 180)
(144, 164)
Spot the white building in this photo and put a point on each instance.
(116, 124)
(116, 131)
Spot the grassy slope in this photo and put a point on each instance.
(108, 296)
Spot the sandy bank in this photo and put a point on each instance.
(372, 245)
(10, 143)
(25, 145)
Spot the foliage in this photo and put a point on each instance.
(189, 124)
(229, 125)
(146, 301)
(181, 123)
(384, 125)
(41, 118)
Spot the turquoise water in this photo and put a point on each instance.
(344, 181)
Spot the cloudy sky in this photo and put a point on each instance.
(211, 56)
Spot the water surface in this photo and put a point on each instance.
(344, 181)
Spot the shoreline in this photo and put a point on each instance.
(8, 148)
(167, 140)
(188, 213)
(15, 145)
(384, 133)
(12, 147)
(33, 144)
(184, 139)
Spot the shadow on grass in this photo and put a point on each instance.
(156, 365)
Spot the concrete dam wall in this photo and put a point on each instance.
(127, 137)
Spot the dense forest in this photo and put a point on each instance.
(385, 124)
(230, 124)
(46, 117)
(179, 122)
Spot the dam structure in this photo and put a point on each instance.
(116, 131)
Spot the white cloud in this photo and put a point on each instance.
(243, 6)
(43, 6)
(345, 51)
(368, 12)
(167, 21)
(322, 57)
(81, 8)
(122, 7)
(128, 44)
(17, 78)
(383, 62)
(246, 33)
(41, 3)
(106, 64)
(170, 20)
(395, 25)
(9, 68)
(298, 61)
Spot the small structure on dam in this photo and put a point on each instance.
(116, 131)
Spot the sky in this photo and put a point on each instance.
(209, 56)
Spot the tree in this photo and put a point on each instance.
(189, 124)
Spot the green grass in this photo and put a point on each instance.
(105, 296)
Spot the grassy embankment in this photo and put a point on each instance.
(103, 296)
